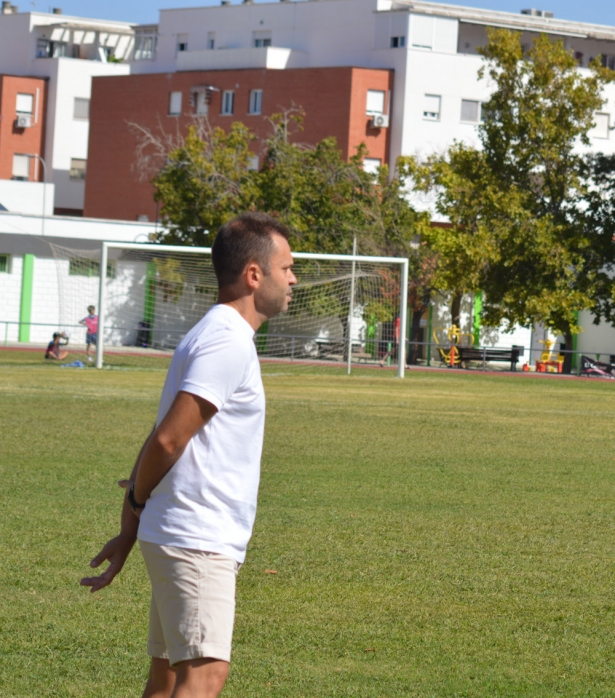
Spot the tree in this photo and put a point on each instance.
(517, 206)
(201, 180)
(325, 200)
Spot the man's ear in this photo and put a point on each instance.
(253, 275)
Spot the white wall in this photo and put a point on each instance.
(10, 293)
(26, 197)
(15, 46)
(333, 33)
(73, 227)
(67, 137)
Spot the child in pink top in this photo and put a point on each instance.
(91, 322)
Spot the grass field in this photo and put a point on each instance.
(445, 535)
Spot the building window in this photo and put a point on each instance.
(261, 39)
(371, 165)
(228, 102)
(182, 42)
(145, 46)
(21, 168)
(89, 267)
(252, 163)
(201, 103)
(398, 41)
(175, 103)
(77, 169)
(42, 48)
(5, 264)
(25, 104)
(81, 108)
(375, 102)
(608, 61)
(211, 40)
(602, 124)
(431, 109)
(256, 102)
(50, 49)
(470, 111)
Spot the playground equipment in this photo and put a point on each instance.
(549, 363)
(456, 338)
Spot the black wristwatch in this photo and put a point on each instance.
(134, 505)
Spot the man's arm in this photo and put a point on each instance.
(159, 453)
(185, 417)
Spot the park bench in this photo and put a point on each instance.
(485, 355)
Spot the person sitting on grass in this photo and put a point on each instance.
(91, 322)
(53, 348)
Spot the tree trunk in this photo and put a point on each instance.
(456, 309)
(415, 328)
(567, 367)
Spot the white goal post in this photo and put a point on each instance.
(345, 308)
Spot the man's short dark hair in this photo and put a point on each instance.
(247, 238)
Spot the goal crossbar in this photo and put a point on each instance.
(401, 261)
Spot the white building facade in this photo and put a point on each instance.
(68, 52)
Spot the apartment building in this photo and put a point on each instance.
(281, 53)
(47, 61)
(347, 103)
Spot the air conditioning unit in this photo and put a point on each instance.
(380, 121)
(24, 121)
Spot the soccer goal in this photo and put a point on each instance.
(346, 309)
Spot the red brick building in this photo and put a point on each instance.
(335, 101)
(23, 105)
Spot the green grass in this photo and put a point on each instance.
(445, 535)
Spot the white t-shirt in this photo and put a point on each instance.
(207, 501)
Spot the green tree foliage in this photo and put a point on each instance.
(204, 181)
(517, 206)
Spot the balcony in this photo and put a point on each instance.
(268, 57)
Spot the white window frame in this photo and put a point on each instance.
(398, 41)
(227, 104)
(20, 170)
(256, 102)
(73, 176)
(428, 114)
(602, 132)
(371, 102)
(175, 103)
(21, 103)
(211, 40)
(146, 45)
(478, 104)
(261, 39)
(83, 108)
(371, 165)
(182, 43)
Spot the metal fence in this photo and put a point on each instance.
(375, 352)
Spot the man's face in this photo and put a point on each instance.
(274, 293)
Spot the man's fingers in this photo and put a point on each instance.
(101, 557)
(103, 580)
(125, 483)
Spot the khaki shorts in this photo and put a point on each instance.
(193, 603)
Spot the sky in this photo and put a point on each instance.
(146, 11)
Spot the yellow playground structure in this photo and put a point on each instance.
(448, 339)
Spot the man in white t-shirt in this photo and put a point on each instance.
(191, 497)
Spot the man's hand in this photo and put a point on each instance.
(115, 551)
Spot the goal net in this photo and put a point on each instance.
(345, 309)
